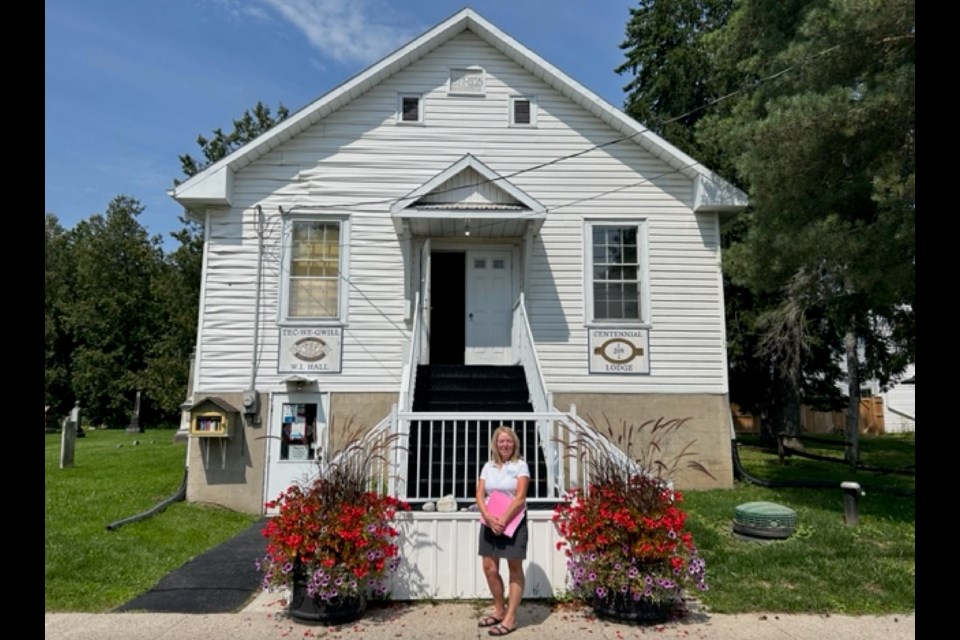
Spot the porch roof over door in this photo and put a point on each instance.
(468, 199)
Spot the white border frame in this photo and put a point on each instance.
(643, 248)
(420, 108)
(533, 112)
(283, 318)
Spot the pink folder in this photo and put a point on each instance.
(497, 503)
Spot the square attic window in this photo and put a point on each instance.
(523, 111)
(410, 108)
(467, 81)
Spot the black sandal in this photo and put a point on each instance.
(489, 621)
(500, 630)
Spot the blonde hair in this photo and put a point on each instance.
(495, 453)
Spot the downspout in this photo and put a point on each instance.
(256, 308)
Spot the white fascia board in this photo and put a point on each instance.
(714, 194)
(209, 189)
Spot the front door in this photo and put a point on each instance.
(297, 436)
(489, 307)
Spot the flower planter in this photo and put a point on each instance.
(623, 608)
(304, 608)
(333, 542)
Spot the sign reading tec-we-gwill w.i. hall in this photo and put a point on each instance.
(310, 349)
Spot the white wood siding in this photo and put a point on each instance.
(440, 561)
(358, 161)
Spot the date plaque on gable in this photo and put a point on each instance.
(621, 351)
(469, 82)
(310, 349)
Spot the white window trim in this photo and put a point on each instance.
(399, 114)
(533, 112)
(482, 91)
(342, 287)
(643, 249)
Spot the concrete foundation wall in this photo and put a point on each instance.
(355, 413)
(229, 471)
(708, 429)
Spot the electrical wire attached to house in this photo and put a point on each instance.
(179, 496)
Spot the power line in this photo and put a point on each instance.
(749, 86)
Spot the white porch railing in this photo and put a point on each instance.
(439, 550)
(408, 378)
(525, 349)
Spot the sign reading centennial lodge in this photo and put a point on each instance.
(623, 351)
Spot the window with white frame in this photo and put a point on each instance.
(523, 111)
(409, 108)
(617, 280)
(315, 263)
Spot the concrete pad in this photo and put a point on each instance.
(264, 618)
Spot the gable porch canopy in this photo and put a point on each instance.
(467, 199)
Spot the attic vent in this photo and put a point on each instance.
(764, 520)
(523, 111)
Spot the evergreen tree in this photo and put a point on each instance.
(825, 143)
(671, 73)
(111, 314)
(58, 346)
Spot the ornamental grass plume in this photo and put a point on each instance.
(337, 531)
(624, 530)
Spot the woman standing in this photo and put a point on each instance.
(508, 474)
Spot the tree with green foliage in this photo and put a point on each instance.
(120, 316)
(669, 65)
(825, 142)
(58, 346)
(808, 106)
(246, 128)
(673, 85)
(110, 313)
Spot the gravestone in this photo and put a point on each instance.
(68, 437)
(135, 418)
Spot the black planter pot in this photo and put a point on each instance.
(623, 608)
(316, 611)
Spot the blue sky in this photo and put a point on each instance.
(130, 84)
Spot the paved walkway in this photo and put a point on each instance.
(264, 619)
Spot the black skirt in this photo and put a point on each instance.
(504, 546)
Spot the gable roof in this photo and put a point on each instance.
(213, 186)
(468, 190)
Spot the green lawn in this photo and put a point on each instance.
(87, 567)
(826, 566)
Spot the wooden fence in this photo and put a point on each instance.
(812, 421)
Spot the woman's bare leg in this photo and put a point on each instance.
(491, 570)
(516, 591)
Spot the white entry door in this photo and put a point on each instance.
(296, 442)
(489, 307)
